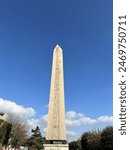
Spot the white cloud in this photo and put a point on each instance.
(41, 122)
(32, 123)
(71, 135)
(8, 106)
(44, 130)
(72, 123)
(70, 114)
(73, 114)
(73, 119)
(87, 121)
(78, 119)
(80, 115)
(105, 119)
(44, 118)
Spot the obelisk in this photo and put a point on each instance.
(56, 128)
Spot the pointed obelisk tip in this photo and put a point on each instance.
(57, 48)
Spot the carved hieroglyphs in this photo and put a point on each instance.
(56, 129)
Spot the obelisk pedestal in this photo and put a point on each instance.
(56, 129)
(56, 146)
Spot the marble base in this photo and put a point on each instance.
(56, 147)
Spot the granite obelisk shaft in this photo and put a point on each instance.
(56, 129)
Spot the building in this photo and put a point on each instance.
(3, 116)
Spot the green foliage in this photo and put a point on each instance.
(79, 144)
(2, 131)
(107, 138)
(84, 141)
(91, 140)
(98, 140)
(36, 141)
(5, 129)
(18, 134)
(73, 145)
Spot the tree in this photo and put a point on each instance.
(36, 141)
(107, 138)
(79, 144)
(73, 145)
(91, 140)
(19, 132)
(2, 131)
(5, 129)
(84, 141)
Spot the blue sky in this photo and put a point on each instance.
(29, 31)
